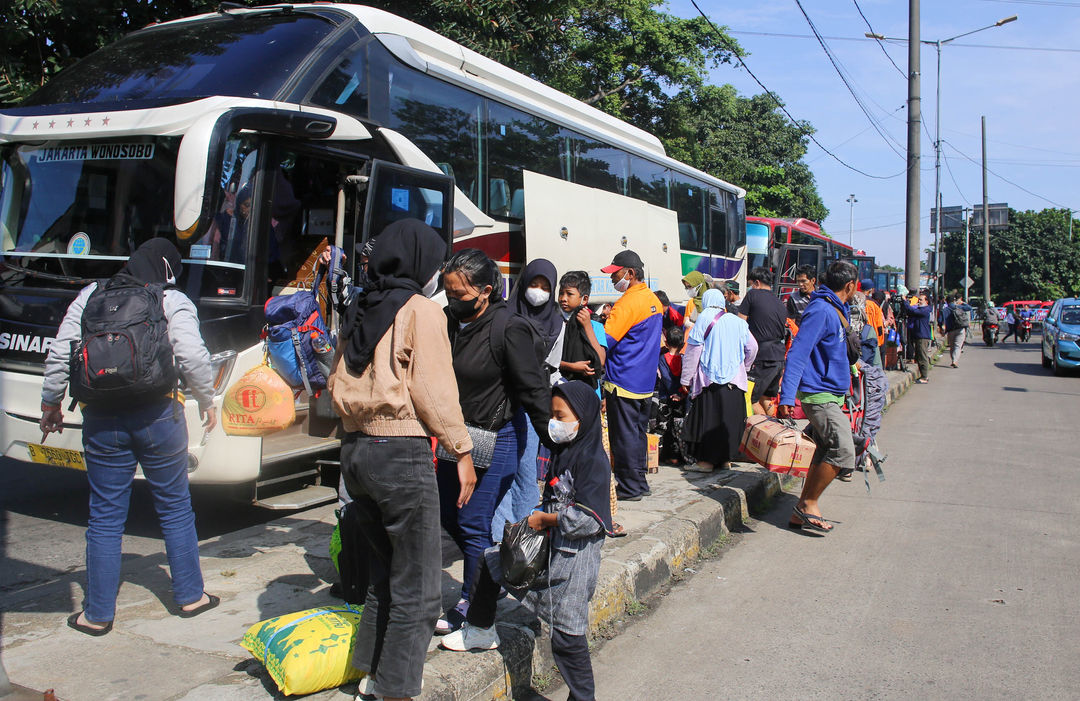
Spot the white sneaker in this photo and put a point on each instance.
(366, 690)
(471, 637)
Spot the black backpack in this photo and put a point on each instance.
(124, 356)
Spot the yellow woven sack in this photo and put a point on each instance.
(257, 404)
(307, 651)
(749, 391)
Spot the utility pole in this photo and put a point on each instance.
(986, 221)
(912, 248)
(851, 219)
(967, 251)
(937, 173)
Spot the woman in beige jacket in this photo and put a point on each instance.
(393, 386)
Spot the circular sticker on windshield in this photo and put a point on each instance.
(79, 245)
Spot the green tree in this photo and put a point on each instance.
(1031, 259)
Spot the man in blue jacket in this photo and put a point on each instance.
(920, 317)
(819, 374)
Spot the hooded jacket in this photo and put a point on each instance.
(817, 361)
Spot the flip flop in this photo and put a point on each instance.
(807, 523)
(73, 623)
(214, 601)
(617, 531)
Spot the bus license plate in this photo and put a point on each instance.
(61, 457)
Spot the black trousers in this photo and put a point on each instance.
(571, 654)
(628, 420)
(392, 483)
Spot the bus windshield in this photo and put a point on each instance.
(74, 211)
(253, 55)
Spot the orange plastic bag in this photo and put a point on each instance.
(258, 404)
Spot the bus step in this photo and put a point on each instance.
(311, 495)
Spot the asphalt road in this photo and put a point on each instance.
(957, 578)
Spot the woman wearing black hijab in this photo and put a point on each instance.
(150, 432)
(393, 386)
(534, 298)
(577, 513)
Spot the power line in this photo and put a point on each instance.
(887, 55)
(734, 51)
(1002, 177)
(953, 177)
(847, 84)
(1046, 3)
(786, 35)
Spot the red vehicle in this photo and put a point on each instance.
(785, 244)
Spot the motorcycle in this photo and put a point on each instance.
(990, 331)
(1023, 330)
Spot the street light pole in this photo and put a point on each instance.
(967, 251)
(851, 219)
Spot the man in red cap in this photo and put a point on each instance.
(633, 334)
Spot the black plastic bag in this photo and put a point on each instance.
(523, 554)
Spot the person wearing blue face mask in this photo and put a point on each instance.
(577, 513)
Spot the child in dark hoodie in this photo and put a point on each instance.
(818, 373)
(577, 512)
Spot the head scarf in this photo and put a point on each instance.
(153, 261)
(583, 458)
(857, 311)
(696, 281)
(408, 254)
(547, 318)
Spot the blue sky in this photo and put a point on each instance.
(1030, 99)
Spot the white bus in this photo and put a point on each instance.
(251, 135)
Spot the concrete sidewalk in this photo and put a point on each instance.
(284, 566)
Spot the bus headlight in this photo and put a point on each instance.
(221, 365)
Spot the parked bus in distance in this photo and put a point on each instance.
(252, 137)
(888, 280)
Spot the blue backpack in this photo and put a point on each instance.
(300, 347)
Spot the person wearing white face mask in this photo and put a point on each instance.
(576, 513)
(633, 337)
(532, 299)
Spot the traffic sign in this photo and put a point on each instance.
(967, 282)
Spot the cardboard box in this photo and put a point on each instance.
(652, 459)
(777, 447)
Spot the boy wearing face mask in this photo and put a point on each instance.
(633, 336)
(576, 512)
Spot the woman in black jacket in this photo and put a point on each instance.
(501, 385)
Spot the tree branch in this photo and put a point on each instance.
(601, 94)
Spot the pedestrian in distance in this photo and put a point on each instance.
(766, 315)
(533, 297)
(719, 353)
(633, 337)
(393, 386)
(1012, 319)
(805, 284)
(919, 318)
(818, 374)
(957, 320)
(136, 421)
(875, 315)
(576, 513)
(502, 385)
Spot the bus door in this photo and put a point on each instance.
(790, 257)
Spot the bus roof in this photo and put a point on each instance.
(804, 226)
(443, 58)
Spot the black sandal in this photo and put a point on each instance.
(808, 523)
(73, 623)
(214, 601)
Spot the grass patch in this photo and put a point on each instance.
(714, 548)
(541, 681)
(636, 608)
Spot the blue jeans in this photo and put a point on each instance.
(114, 441)
(470, 526)
(524, 495)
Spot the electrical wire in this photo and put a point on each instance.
(1010, 182)
(887, 55)
(953, 177)
(787, 35)
(780, 105)
(889, 140)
